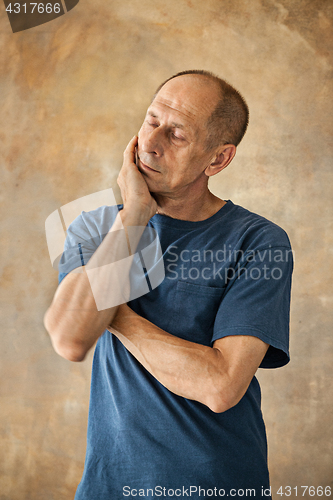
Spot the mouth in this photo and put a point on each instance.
(145, 167)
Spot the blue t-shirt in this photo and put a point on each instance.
(227, 275)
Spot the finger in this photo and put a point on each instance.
(129, 152)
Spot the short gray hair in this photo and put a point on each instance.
(229, 120)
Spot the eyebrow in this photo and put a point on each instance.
(174, 124)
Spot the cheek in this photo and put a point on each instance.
(143, 136)
(140, 132)
(182, 174)
(143, 130)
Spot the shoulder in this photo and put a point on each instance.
(84, 235)
(257, 231)
(95, 223)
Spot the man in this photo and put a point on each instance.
(175, 406)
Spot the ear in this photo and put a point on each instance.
(221, 159)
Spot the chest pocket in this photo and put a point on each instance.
(195, 309)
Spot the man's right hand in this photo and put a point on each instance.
(75, 319)
(133, 187)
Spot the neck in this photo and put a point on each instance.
(183, 208)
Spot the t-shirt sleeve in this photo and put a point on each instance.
(257, 302)
(84, 235)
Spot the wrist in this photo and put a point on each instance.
(136, 215)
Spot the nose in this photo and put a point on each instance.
(151, 141)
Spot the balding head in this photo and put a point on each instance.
(228, 114)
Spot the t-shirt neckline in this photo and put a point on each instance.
(165, 220)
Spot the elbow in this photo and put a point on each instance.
(67, 349)
(219, 401)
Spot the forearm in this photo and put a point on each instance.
(86, 301)
(190, 370)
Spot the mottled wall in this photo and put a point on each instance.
(73, 92)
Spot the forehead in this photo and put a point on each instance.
(190, 98)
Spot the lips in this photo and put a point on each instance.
(146, 167)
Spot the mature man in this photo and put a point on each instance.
(175, 406)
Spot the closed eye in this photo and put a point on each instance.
(152, 124)
(179, 138)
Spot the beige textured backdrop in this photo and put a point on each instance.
(73, 92)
